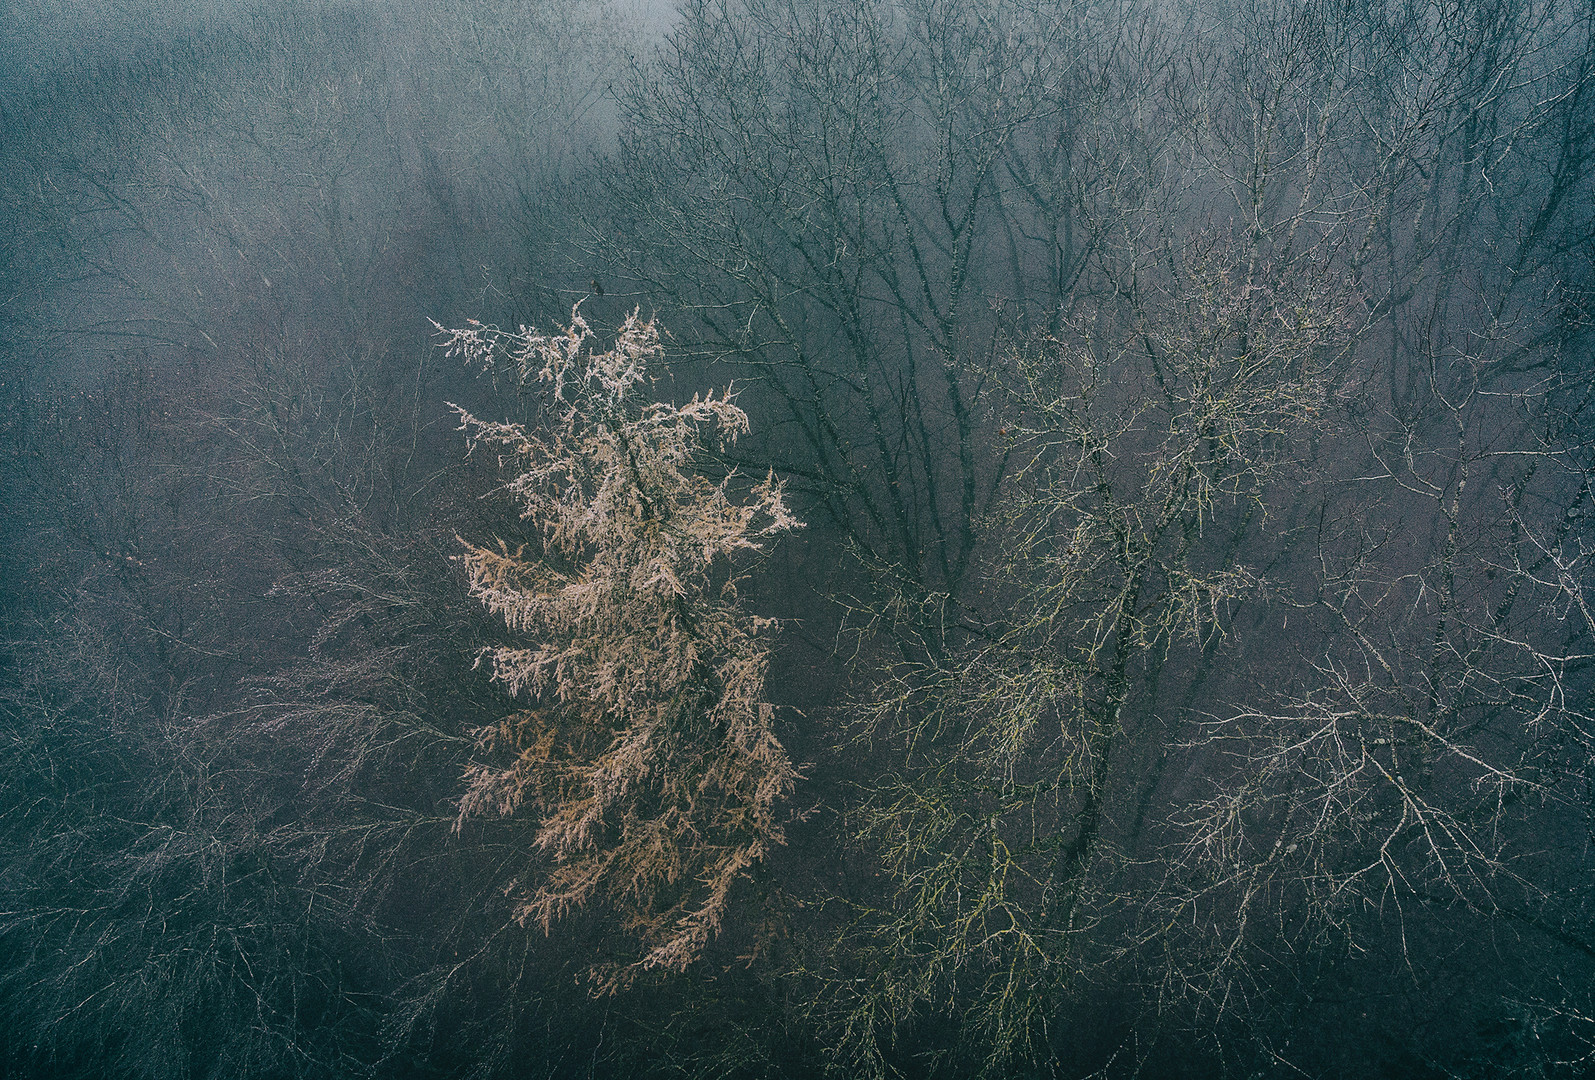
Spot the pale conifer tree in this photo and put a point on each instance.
(646, 749)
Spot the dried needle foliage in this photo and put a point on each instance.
(647, 749)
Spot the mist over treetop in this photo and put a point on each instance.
(1183, 666)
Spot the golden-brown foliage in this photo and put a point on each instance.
(646, 749)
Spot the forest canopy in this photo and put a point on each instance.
(798, 537)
